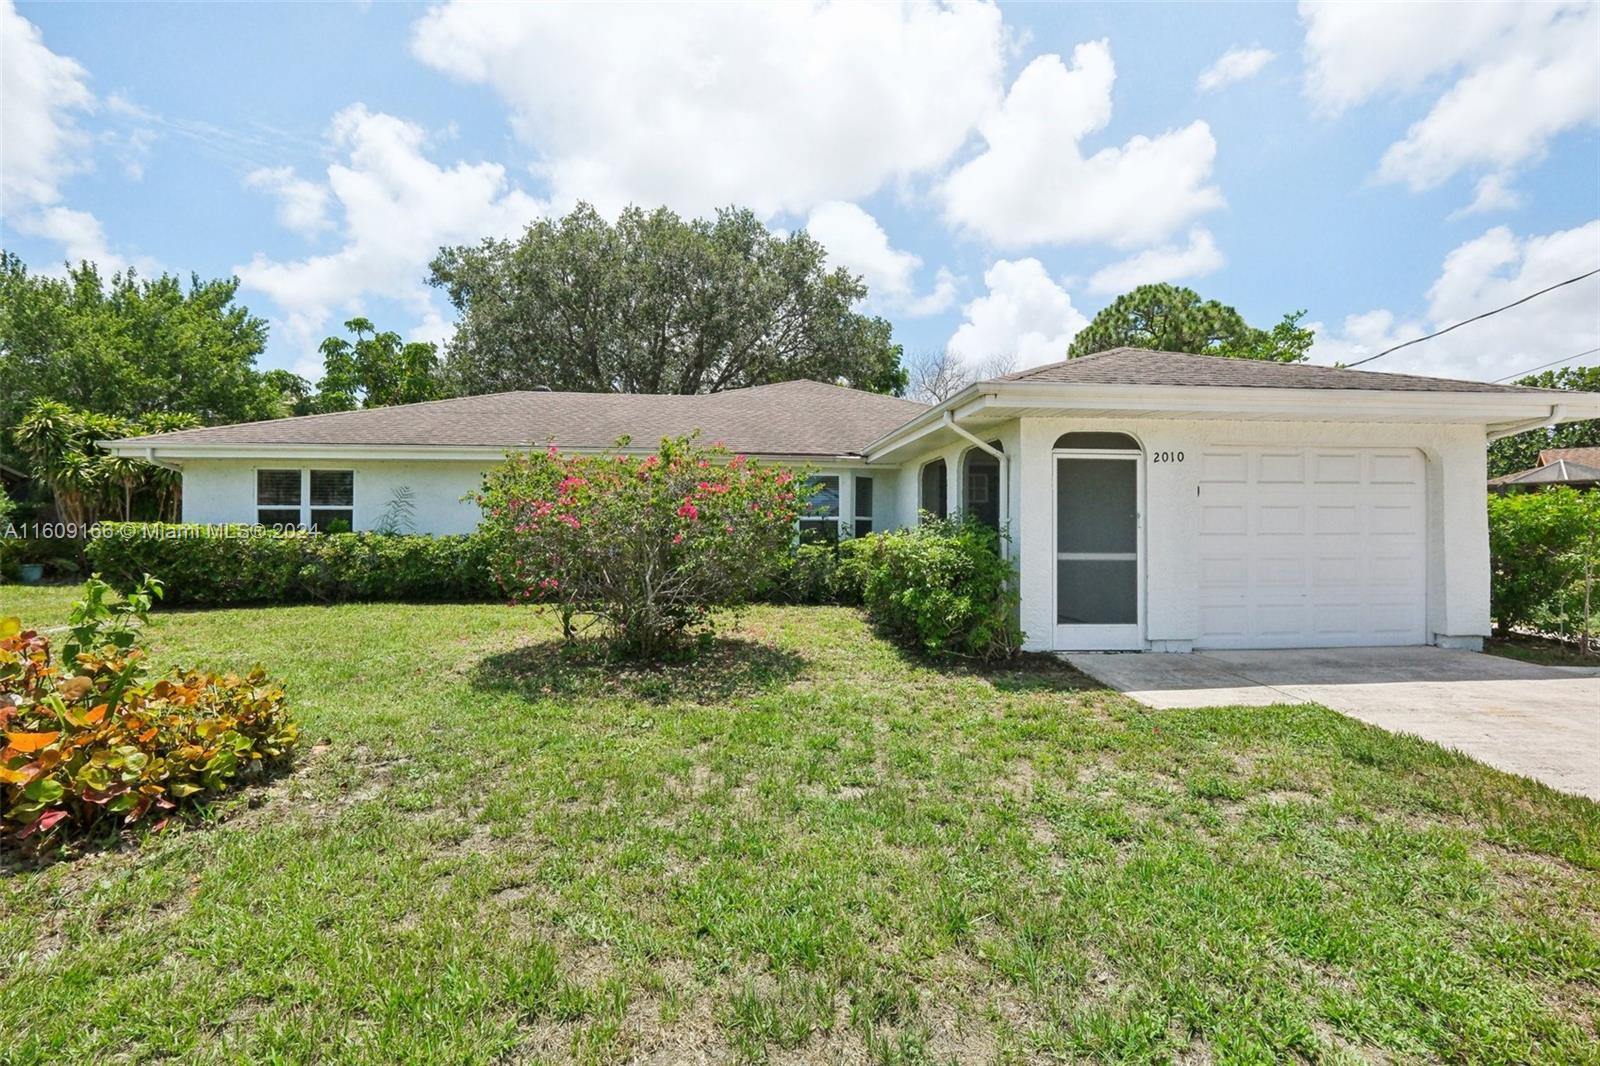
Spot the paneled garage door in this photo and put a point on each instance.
(1311, 547)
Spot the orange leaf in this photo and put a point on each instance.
(96, 714)
(29, 742)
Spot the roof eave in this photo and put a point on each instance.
(1489, 409)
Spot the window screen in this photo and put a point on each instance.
(278, 497)
(277, 488)
(934, 481)
(863, 516)
(820, 523)
(333, 497)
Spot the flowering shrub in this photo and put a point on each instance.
(649, 545)
(941, 588)
(94, 743)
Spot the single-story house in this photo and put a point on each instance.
(1577, 468)
(1156, 501)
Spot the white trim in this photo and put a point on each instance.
(1009, 398)
(1101, 637)
(306, 506)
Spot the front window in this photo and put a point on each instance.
(333, 499)
(863, 522)
(278, 497)
(820, 523)
(311, 499)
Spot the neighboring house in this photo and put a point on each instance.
(1156, 501)
(1577, 468)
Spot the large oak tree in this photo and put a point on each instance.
(657, 303)
(1171, 318)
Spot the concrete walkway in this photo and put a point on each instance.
(1539, 721)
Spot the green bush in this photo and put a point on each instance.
(219, 566)
(1544, 552)
(91, 742)
(941, 588)
(811, 574)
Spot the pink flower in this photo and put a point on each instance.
(677, 538)
(689, 511)
(568, 520)
(784, 477)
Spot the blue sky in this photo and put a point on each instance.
(998, 174)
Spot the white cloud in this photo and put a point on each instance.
(855, 241)
(302, 204)
(1484, 273)
(1025, 313)
(1493, 193)
(1033, 184)
(396, 208)
(778, 107)
(42, 96)
(1523, 74)
(1170, 262)
(1236, 64)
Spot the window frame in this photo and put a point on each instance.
(861, 521)
(823, 521)
(305, 508)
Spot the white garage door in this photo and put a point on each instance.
(1311, 547)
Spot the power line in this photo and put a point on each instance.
(1474, 318)
(1544, 366)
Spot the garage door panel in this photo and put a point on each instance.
(1336, 468)
(1312, 547)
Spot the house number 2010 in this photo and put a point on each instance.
(1167, 457)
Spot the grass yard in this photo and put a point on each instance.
(804, 848)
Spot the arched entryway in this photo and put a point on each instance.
(935, 488)
(980, 485)
(1099, 586)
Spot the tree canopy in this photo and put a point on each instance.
(657, 303)
(376, 370)
(128, 347)
(1175, 319)
(1521, 452)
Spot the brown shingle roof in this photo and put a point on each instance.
(1142, 366)
(1560, 472)
(1584, 456)
(789, 418)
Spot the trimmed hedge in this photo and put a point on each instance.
(941, 588)
(224, 566)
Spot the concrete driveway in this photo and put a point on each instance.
(1539, 721)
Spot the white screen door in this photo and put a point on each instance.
(1099, 573)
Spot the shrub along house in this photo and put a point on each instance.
(1156, 501)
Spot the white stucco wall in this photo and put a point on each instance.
(224, 490)
(1457, 609)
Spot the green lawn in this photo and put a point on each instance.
(804, 848)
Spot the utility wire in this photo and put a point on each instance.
(1474, 318)
(1544, 366)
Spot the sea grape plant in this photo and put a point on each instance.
(650, 545)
